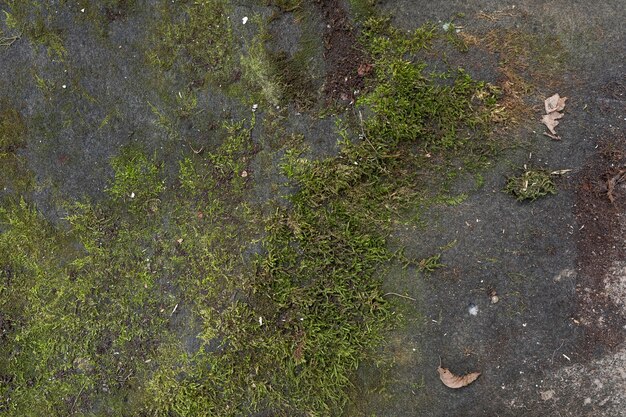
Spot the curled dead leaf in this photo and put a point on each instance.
(554, 103)
(550, 120)
(451, 380)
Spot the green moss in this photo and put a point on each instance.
(200, 41)
(30, 18)
(293, 75)
(12, 130)
(438, 109)
(41, 33)
(16, 177)
(137, 180)
(530, 185)
(259, 76)
(234, 154)
(363, 9)
(285, 6)
(431, 263)
(181, 300)
(13, 134)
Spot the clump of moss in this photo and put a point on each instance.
(200, 39)
(29, 18)
(233, 156)
(293, 76)
(438, 109)
(16, 176)
(137, 180)
(12, 130)
(285, 6)
(530, 185)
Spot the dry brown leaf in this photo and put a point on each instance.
(554, 103)
(451, 380)
(612, 183)
(550, 120)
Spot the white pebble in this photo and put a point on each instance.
(473, 310)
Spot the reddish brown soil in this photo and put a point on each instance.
(347, 65)
(600, 201)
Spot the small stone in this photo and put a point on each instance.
(547, 395)
(244, 20)
(473, 309)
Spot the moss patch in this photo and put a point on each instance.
(12, 130)
(174, 296)
(530, 185)
(199, 39)
(33, 19)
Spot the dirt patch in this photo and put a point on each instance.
(346, 64)
(600, 202)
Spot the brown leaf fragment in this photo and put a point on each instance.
(551, 136)
(612, 183)
(364, 69)
(451, 380)
(550, 120)
(554, 103)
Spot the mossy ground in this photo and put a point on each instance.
(531, 185)
(175, 294)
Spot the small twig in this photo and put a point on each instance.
(550, 135)
(77, 397)
(362, 124)
(195, 151)
(9, 40)
(399, 295)
(560, 172)
(556, 350)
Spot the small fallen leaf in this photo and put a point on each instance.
(364, 69)
(554, 103)
(451, 380)
(550, 120)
